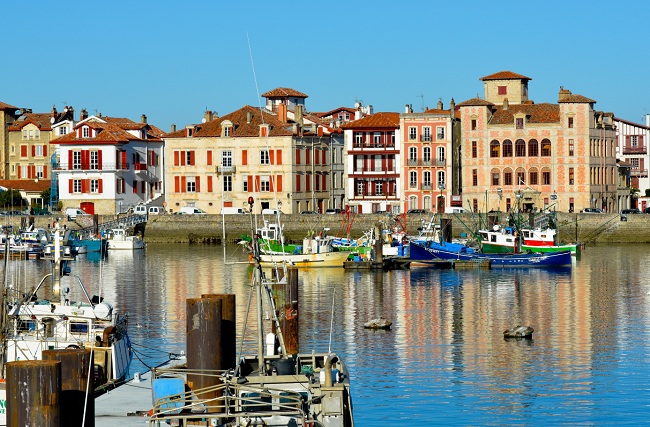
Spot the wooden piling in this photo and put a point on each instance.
(204, 342)
(77, 386)
(228, 329)
(34, 393)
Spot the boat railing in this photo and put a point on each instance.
(222, 402)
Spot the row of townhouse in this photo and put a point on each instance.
(488, 153)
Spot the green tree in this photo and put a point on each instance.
(11, 199)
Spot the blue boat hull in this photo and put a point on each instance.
(427, 251)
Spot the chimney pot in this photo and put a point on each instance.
(173, 128)
(143, 119)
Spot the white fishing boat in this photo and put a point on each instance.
(267, 388)
(121, 239)
(315, 252)
(33, 323)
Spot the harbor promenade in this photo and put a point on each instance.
(572, 227)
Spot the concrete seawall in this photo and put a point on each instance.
(585, 228)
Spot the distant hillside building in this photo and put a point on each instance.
(632, 141)
(516, 153)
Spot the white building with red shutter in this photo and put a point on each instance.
(632, 147)
(106, 165)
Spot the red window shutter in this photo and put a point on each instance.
(143, 187)
(70, 188)
(99, 160)
(297, 156)
(271, 184)
(183, 158)
(317, 156)
(209, 183)
(19, 169)
(278, 183)
(307, 156)
(324, 182)
(177, 184)
(183, 184)
(177, 162)
(85, 157)
(85, 185)
(124, 162)
(33, 151)
(297, 183)
(69, 160)
(33, 171)
(209, 157)
(272, 156)
(324, 161)
(45, 150)
(192, 162)
(383, 164)
(263, 131)
(198, 184)
(250, 184)
(23, 151)
(257, 183)
(44, 172)
(100, 186)
(244, 158)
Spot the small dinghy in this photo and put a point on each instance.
(380, 323)
(518, 332)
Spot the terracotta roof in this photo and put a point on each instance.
(4, 106)
(535, 113)
(25, 184)
(576, 99)
(242, 128)
(442, 112)
(336, 110)
(41, 120)
(505, 75)
(282, 92)
(113, 131)
(639, 125)
(377, 120)
(475, 102)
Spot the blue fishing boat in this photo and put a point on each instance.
(429, 250)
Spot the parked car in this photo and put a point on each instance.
(73, 213)
(591, 210)
(416, 211)
(630, 211)
(333, 211)
(646, 210)
(308, 213)
(189, 210)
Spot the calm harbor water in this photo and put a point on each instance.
(445, 361)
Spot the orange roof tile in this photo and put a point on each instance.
(575, 98)
(41, 120)
(505, 75)
(4, 106)
(475, 102)
(282, 92)
(536, 113)
(25, 184)
(377, 120)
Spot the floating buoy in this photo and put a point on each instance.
(518, 332)
(379, 323)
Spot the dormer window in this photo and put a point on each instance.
(226, 128)
(519, 123)
(227, 131)
(85, 132)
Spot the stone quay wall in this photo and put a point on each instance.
(583, 228)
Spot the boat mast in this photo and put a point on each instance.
(3, 308)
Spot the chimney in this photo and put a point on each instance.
(357, 114)
(143, 119)
(173, 128)
(282, 112)
(440, 104)
(83, 115)
(54, 112)
(564, 93)
(249, 117)
(207, 117)
(452, 108)
(647, 120)
(406, 109)
(505, 103)
(298, 114)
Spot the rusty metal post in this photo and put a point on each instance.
(204, 342)
(75, 399)
(285, 296)
(34, 393)
(228, 329)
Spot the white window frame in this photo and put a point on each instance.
(94, 159)
(190, 184)
(265, 159)
(379, 188)
(76, 186)
(39, 151)
(426, 133)
(413, 154)
(413, 179)
(265, 183)
(441, 178)
(76, 160)
(426, 178)
(227, 183)
(226, 158)
(426, 154)
(413, 133)
(39, 171)
(440, 133)
(94, 186)
(85, 132)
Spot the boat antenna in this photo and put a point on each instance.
(329, 347)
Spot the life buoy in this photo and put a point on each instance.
(73, 346)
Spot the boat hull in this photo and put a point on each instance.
(428, 251)
(573, 248)
(327, 259)
(126, 245)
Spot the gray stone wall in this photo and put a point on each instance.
(584, 228)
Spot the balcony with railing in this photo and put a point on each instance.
(425, 138)
(226, 169)
(639, 172)
(106, 167)
(375, 194)
(426, 186)
(635, 149)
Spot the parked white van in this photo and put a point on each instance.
(456, 209)
(232, 211)
(270, 211)
(140, 210)
(189, 210)
(156, 210)
(72, 213)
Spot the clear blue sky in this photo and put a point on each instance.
(172, 60)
